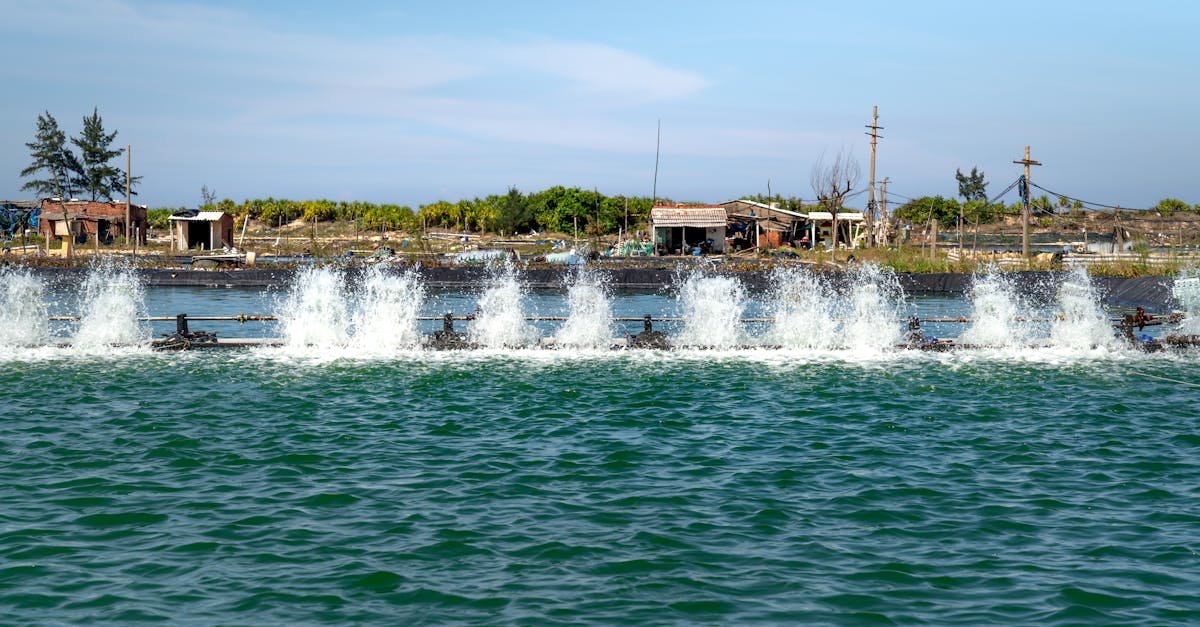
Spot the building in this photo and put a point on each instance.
(90, 219)
(681, 229)
(775, 226)
(849, 225)
(205, 230)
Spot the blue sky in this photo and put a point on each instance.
(413, 102)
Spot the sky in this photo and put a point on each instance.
(413, 102)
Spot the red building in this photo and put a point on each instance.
(89, 218)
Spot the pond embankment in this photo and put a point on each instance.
(1152, 291)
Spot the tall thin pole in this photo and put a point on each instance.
(128, 162)
(1025, 210)
(883, 212)
(657, 150)
(874, 134)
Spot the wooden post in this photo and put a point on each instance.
(883, 212)
(1025, 212)
(128, 213)
(933, 228)
(874, 134)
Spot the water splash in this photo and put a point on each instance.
(24, 316)
(875, 299)
(389, 304)
(314, 313)
(712, 311)
(803, 304)
(501, 320)
(112, 299)
(996, 311)
(589, 323)
(1081, 323)
(1187, 291)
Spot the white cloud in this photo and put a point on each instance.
(605, 70)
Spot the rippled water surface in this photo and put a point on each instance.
(641, 487)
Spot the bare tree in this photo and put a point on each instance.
(208, 197)
(832, 182)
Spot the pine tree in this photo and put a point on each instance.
(97, 177)
(53, 159)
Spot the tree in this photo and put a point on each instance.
(927, 208)
(832, 182)
(95, 175)
(208, 197)
(971, 187)
(1170, 206)
(514, 213)
(52, 159)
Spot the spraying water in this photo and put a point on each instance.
(501, 321)
(1081, 324)
(24, 317)
(712, 311)
(803, 304)
(590, 321)
(1187, 291)
(112, 298)
(314, 313)
(875, 300)
(995, 313)
(386, 318)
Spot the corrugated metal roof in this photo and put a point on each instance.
(703, 217)
(843, 216)
(765, 207)
(203, 216)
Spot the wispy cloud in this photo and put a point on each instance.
(605, 70)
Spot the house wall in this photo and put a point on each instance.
(86, 213)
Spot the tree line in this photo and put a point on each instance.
(975, 208)
(557, 209)
(57, 170)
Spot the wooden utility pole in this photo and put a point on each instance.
(128, 162)
(874, 135)
(657, 151)
(1025, 211)
(883, 212)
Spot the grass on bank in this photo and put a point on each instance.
(302, 239)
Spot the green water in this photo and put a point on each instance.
(638, 488)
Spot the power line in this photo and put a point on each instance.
(1085, 202)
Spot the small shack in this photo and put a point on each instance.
(849, 226)
(205, 230)
(88, 219)
(775, 226)
(681, 229)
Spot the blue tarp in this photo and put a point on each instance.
(17, 216)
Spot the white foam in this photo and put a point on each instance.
(712, 309)
(24, 315)
(996, 313)
(803, 304)
(501, 321)
(1080, 323)
(112, 299)
(876, 300)
(315, 312)
(589, 323)
(388, 306)
(1186, 290)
